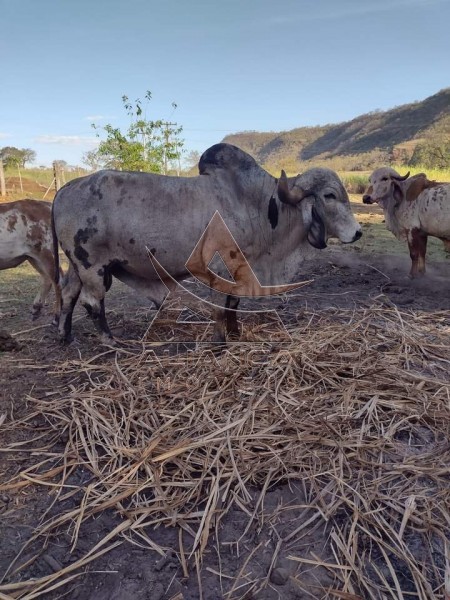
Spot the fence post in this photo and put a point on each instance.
(56, 175)
(2, 180)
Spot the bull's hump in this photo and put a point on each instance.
(225, 156)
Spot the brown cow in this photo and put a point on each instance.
(414, 208)
(25, 234)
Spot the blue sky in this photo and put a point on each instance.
(230, 65)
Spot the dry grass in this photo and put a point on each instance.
(358, 406)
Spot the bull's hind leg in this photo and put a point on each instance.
(93, 299)
(70, 291)
(45, 266)
(44, 290)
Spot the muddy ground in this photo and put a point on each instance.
(346, 279)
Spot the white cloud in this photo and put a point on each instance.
(67, 140)
(3, 136)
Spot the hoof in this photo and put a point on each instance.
(108, 340)
(218, 338)
(36, 311)
(416, 275)
(234, 335)
(218, 348)
(66, 340)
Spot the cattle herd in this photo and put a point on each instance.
(133, 226)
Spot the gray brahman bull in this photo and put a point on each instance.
(25, 234)
(112, 223)
(414, 208)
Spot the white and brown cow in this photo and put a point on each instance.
(26, 234)
(414, 208)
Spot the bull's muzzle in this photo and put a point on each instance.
(367, 199)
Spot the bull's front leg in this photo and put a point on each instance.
(417, 243)
(225, 318)
(232, 325)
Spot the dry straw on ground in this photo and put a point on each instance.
(357, 407)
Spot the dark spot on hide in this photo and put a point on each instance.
(12, 220)
(273, 212)
(95, 191)
(119, 201)
(233, 254)
(82, 256)
(105, 272)
(24, 219)
(132, 241)
(82, 237)
(35, 233)
(153, 251)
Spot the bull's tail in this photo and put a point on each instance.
(55, 249)
(57, 270)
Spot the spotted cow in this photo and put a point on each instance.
(25, 234)
(107, 223)
(414, 209)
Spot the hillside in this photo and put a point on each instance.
(359, 143)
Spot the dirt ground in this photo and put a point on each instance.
(342, 278)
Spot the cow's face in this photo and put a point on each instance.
(325, 206)
(384, 184)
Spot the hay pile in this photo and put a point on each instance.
(357, 407)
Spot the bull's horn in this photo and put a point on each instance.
(292, 197)
(400, 177)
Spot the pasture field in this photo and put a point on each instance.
(36, 182)
(308, 466)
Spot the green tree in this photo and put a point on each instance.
(29, 156)
(433, 152)
(16, 157)
(147, 145)
(93, 161)
(192, 159)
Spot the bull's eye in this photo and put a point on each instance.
(330, 196)
(384, 179)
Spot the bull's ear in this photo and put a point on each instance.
(397, 192)
(317, 233)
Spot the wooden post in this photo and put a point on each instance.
(2, 180)
(56, 176)
(20, 178)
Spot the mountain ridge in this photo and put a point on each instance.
(360, 141)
